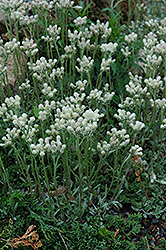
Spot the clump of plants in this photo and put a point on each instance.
(85, 132)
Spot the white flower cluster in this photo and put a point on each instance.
(162, 28)
(154, 84)
(28, 20)
(135, 86)
(80, 21)
(48, 91)
(13, 102)
(108, 48)
(160, 48)
(117, 140)
(152, 23)
(85, 64)
(73, 37)
(128, 118)
(152, 61)
(25, 85)
(10, 5)
(64, 4)
(136, 90)
(83, 125)
(30, 47)
(46, 146)
(101, 28)
(105, 64)
(158, 103)
(97, 95)
(41, 67)
(75, 99)
(70, 51)
(4, 113)
(22, 120)
(163, 126)
(107, 97)
(58, 72)
(131, 38)
(42, 5)
(12, 135)
(79, 85)
(141, 7)
(138, 126)
(45, 111)
(16, 15)
(12, 45)
(53, 32)
(126, 52)
(150, 40)
(129, 102)
(47, 39)
(83, 43)
(125, 117)
(86, 33)
(136, 150)
(24, 125)
(72, 117)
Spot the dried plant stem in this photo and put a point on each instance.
(63, 241)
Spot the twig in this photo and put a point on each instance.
(63, 241)
(148, 247)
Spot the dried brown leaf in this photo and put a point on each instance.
(30, 238)
(60, 190)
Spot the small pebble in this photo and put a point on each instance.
(141, 238)
(158, 233)
(155, 221)
(152, 243)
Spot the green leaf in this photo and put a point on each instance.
(103, 231)
(36, 111)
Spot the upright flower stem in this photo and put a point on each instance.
(158, 156)
(55, 163)
(88, 168)
(39, 183)
(67, 173)
(129, 12)
(119, 175)
(33, 170)
(2, 176)
(164, 93)
(80, 175)
(48, 186)
(63, 29)
(114, 170)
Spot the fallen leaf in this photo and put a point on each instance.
(60, 190)
(30, 238)
(117, 231)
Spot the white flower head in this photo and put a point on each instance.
(138, 126)
(131, 38)
(85, 64)
(136, 150)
